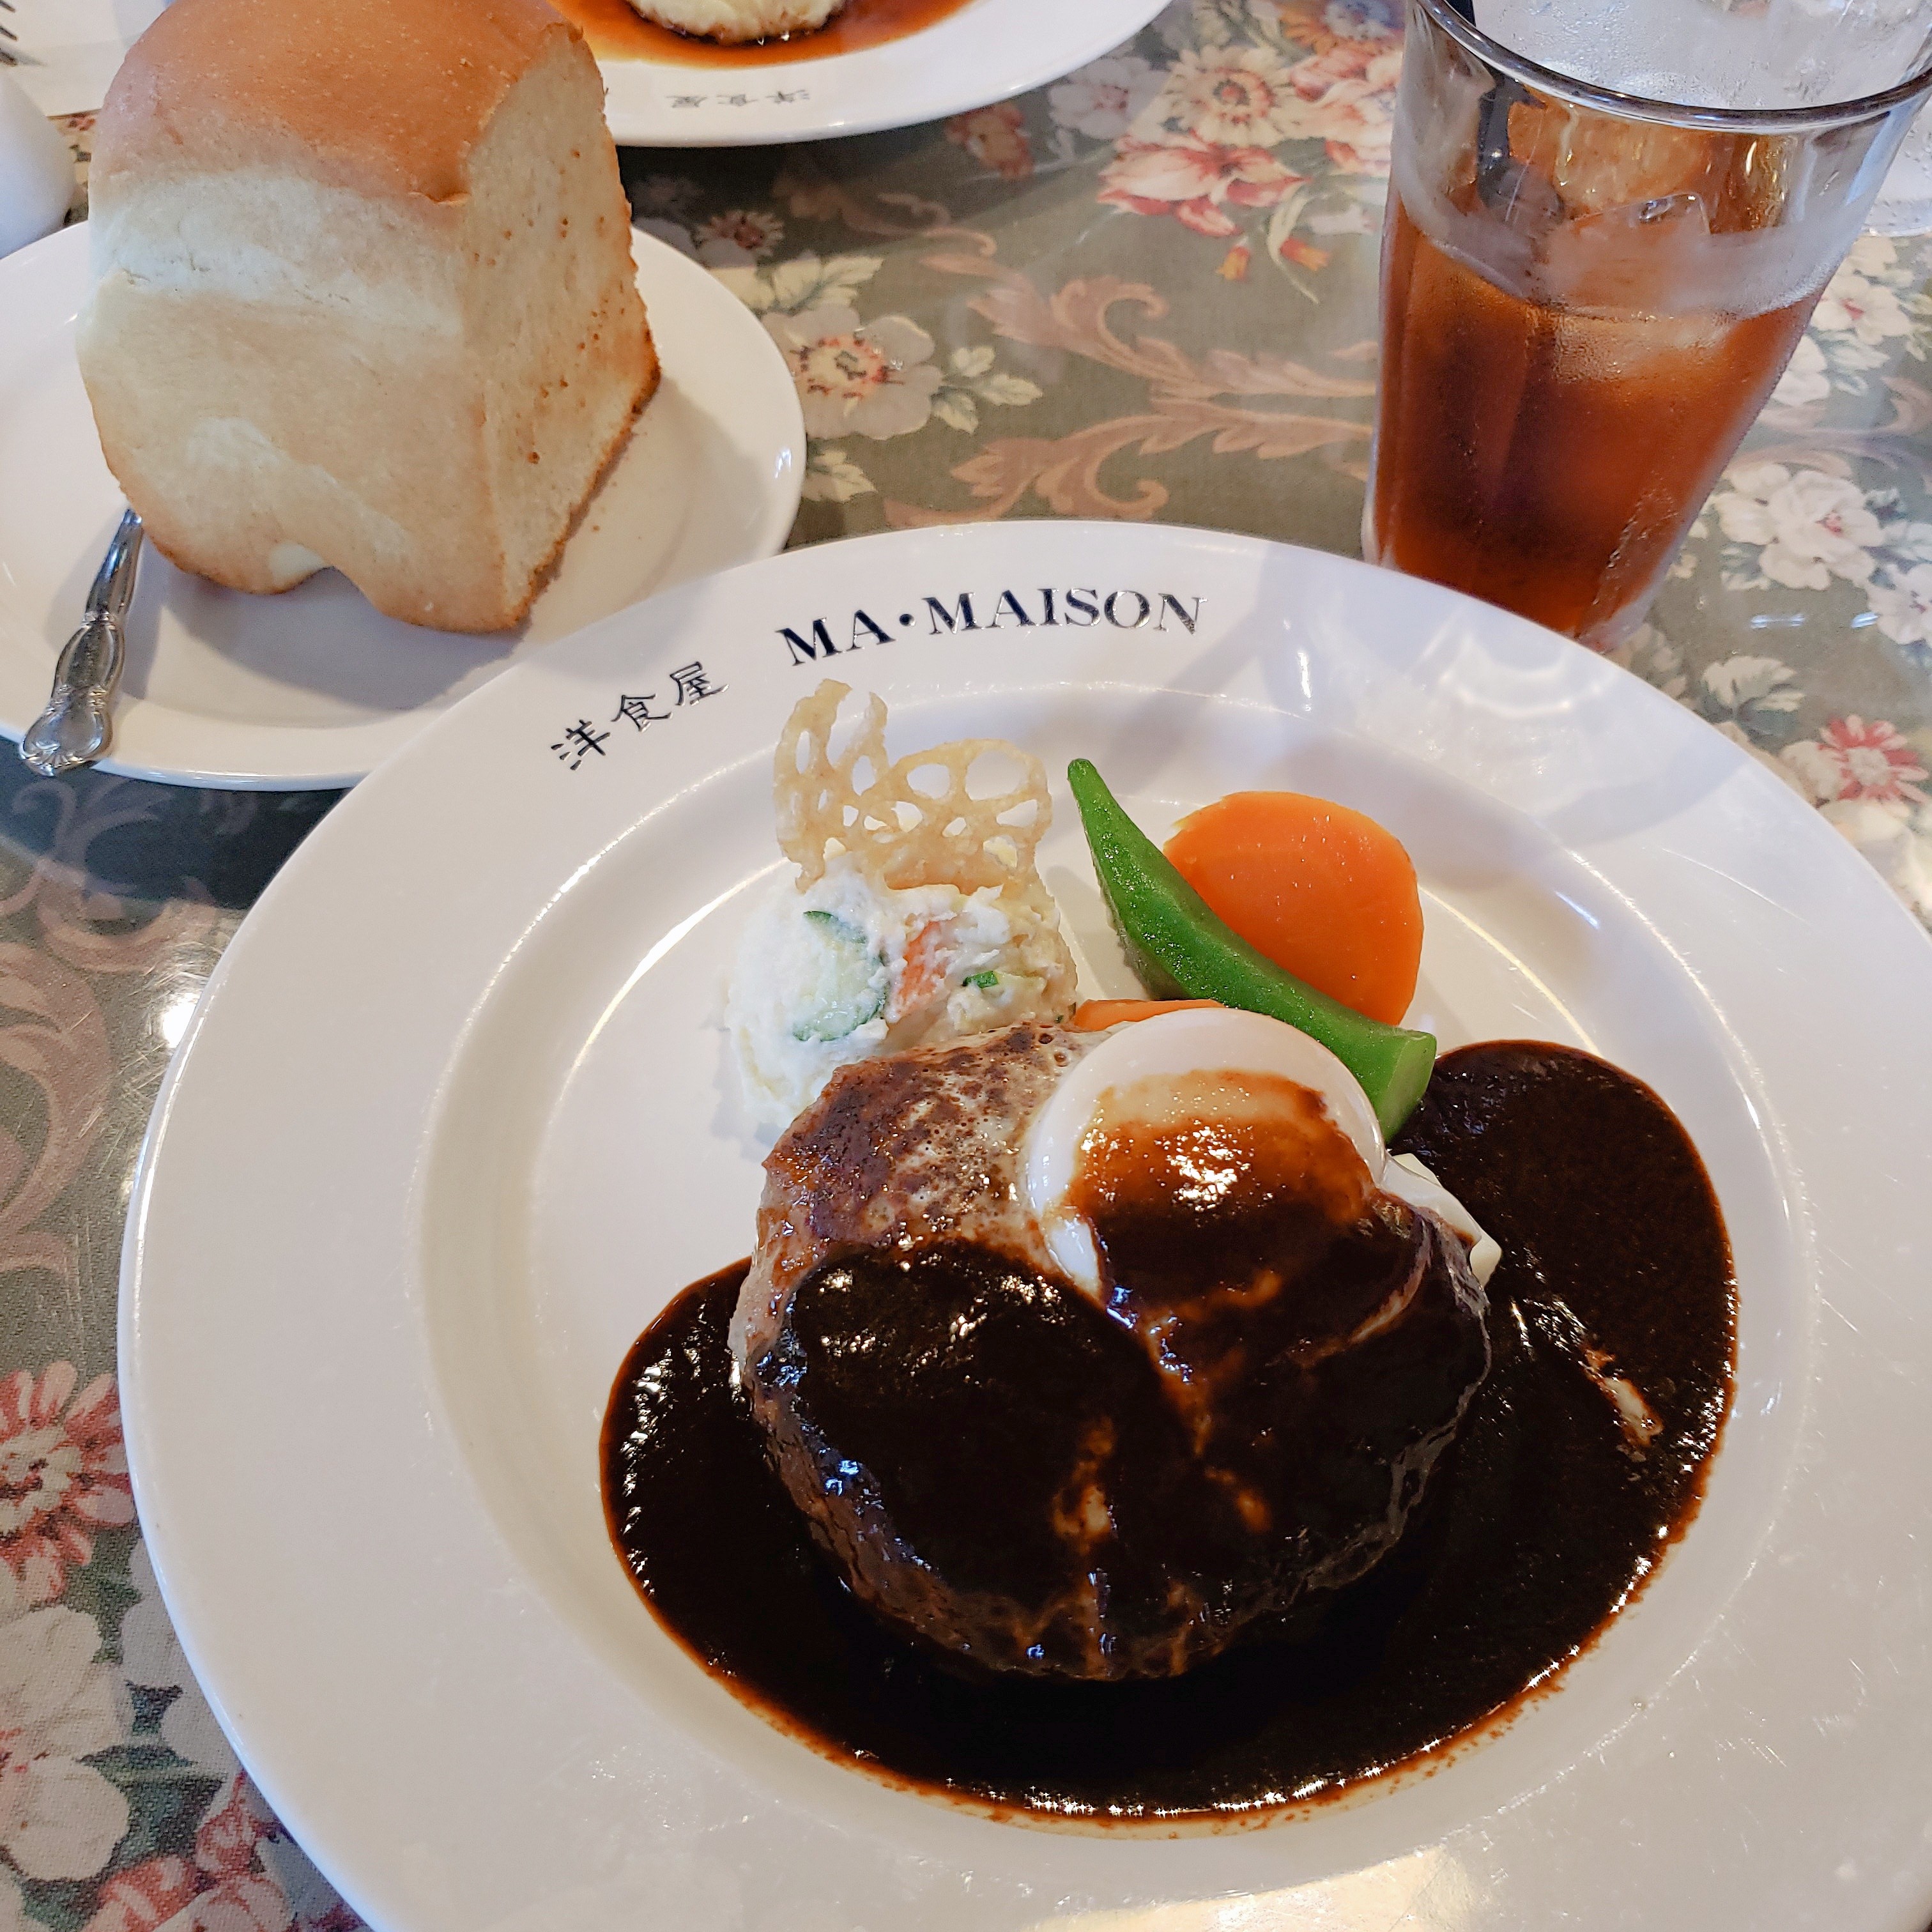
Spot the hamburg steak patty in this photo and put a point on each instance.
(1080, 1482)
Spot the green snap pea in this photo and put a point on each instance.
(1181, 949)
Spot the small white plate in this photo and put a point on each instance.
(452, 1124)
(312, 688)
(989, 50)
(69, 50)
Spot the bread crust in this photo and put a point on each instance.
(407, 346)
(385, 96)
(653, 374)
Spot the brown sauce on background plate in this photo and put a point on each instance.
(1547, 1514)
(616, 32)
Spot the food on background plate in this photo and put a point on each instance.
(914, 916)
(364, 296)
(1111, 1425)
(1325, 892)
(734, 21)
(684, 33)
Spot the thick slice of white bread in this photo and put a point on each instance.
(365, 295)
(733, 21)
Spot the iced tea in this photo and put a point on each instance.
(1550, 459)
(1586, 299)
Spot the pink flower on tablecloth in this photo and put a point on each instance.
(225, 1888)
(1850, 760)
(248, 1902)
(1348, 98)
(996, 137)
(225, 1841)
(144, 1896)
(63, 1475)
(1193, 181)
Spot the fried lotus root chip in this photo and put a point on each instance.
(912, 824)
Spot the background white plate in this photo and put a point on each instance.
(311, 687)
(989, 50)
(70, 49)
(452, 1125)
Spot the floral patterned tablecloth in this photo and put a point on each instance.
(1146, 291)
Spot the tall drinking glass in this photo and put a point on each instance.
(1587, 295)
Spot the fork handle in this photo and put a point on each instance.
(78, 725)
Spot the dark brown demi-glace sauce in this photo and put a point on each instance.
(616, 32)
(1540, 1522)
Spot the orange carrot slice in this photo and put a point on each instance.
(921, 978)
(1092, 1016)
(1326, 893)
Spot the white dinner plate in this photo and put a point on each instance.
(311, 687)
(988, 50)
(452, 1123)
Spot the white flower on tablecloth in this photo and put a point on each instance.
(804, 282)
(1186, 22)
(1352, 220)
(152, 1656)
(1812, 527)
(1102, 99)
(1761, 683)
(1850, 761)
(1226, 97)
(1654, 658)
(831, 476)
(738, 238)
(1855, 305)
(971, 379)
(1904, 606)
(1807, 378)
(59, 1818)
(857, 378)
(1892, 840)
(63, 1476)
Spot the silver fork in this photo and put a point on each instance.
(78, 724)
(8, 58)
